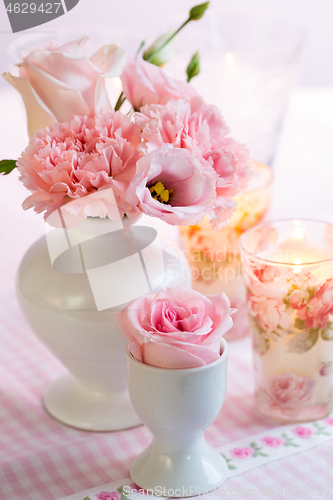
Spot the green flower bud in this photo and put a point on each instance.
(198, 11)
(193, 69)
(160, 52)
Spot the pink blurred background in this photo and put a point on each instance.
(149, 16)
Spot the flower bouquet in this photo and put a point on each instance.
(92, 169)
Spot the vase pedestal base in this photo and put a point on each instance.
(71, 404)
(179, 473)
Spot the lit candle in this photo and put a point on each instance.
(214, 256)
(288, 272)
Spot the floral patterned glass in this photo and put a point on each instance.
(288, 273)
(214, 257)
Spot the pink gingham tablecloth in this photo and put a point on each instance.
(42, 459)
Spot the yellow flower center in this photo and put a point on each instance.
(159, 192)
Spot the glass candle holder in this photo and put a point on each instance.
(214, 256)
(288, 274)
(249, 65)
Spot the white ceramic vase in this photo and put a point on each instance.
(71, 307)
(177, 406)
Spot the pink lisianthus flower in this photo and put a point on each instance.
(273, 442)
(173, 185)
(72, 160)
(288, 393)
(303, 432)
(57, 83)
(242, 453)
(316, 312)
(177, 328)
(144, 83)
(104, 495)
(200, 128)
(269, 312)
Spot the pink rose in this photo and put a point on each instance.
(72, 160)
(58, 83)
(242, 453)
(104, 495)
(316, 312)
(177, 328)
(288, 393)
(273, 442)
(269, 312)
(172, 185)
(329, 421)
(144, 83)
(303, 432)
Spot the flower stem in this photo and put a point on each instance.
(167, 40)
(120, 101)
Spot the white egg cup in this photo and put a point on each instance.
(177, 406)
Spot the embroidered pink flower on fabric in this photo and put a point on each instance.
(104, 495)
(329, 420)
(71, 160)
(303, 432)
(200, 128)
(242, 453)
(269, 312)
(144, 83)
(288, 393)
(176, 328)
(273, 442)
(316, 312)
(174, 186)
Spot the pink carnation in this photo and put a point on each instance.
(71, 160)
(200, 128)
(273, 442)
(316, 312)
(174, 186)
(303, 432)
(145, 83)
(242, 453)
(269, 312)
(288, 393)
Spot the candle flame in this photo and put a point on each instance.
(298, 268)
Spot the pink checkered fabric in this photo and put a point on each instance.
(42, 459)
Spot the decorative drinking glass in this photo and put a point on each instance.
(249, 66)
(214, 256)
(288, 273)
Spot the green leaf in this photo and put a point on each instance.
(232, 467)
(198, 11)
(253, 444)
(299, 323)
(327, 332)
(86, 498)
(302, 342)
(6, 166)
(193, 69)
